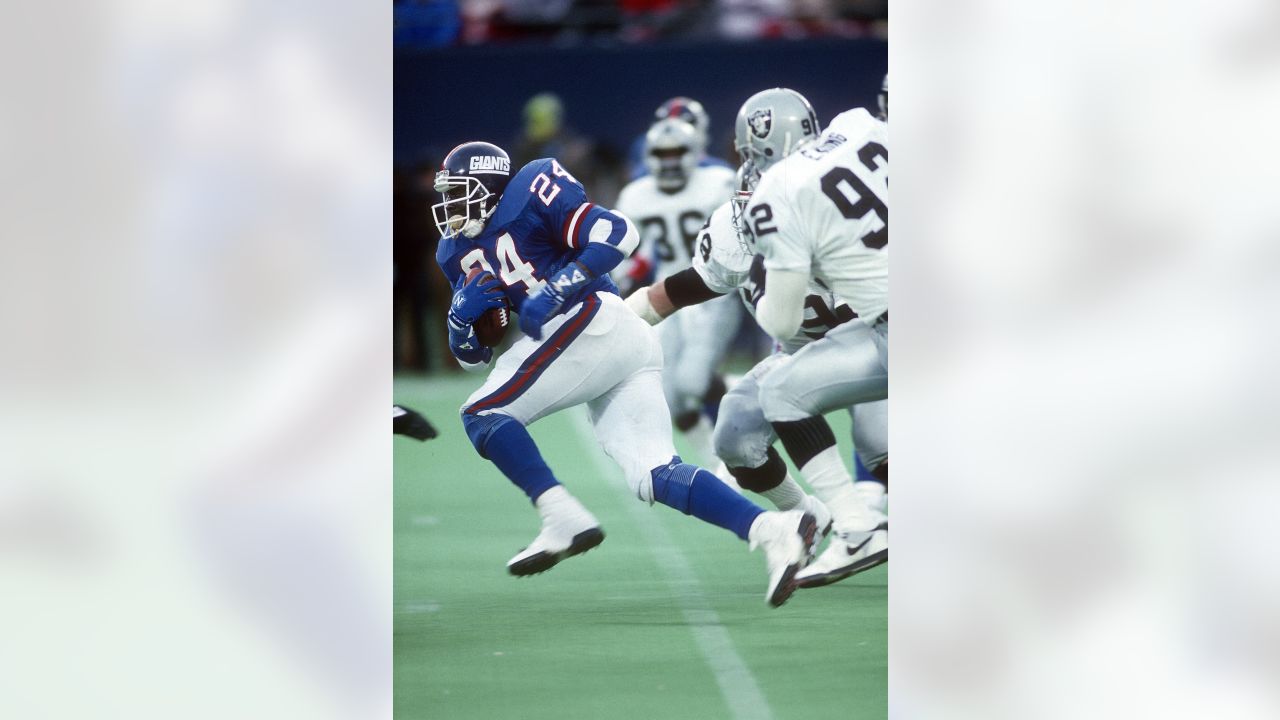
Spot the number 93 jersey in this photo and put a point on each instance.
(538, 227)
(824, 210)
(669, 222)
(723, 261)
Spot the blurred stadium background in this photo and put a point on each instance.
(614, 632)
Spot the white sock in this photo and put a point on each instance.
(873, 494)
(787, 496)
(557, 501)
(833, 485)
(757, 526)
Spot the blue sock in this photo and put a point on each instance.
(694, 491)
(506, 443)
(860, 471)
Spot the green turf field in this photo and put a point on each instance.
(665, 620)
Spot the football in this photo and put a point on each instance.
(492, 326)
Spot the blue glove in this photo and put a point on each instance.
(544, 303)
(481, 294)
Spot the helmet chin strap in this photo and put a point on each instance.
(475, 226)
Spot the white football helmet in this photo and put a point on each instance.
(689, 110)
(672, 149)
(771, 125)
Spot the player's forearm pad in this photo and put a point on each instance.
(687, 288)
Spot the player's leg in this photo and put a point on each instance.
(686, 407)
(530, 380)
(633, 426)
(744, 442)
(871, 452)
(841, 369)
(705, 333)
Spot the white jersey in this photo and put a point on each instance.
(825, 211)
(669, 222)
(723, 261)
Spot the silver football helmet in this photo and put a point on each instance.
(744, 181)
(672, 149)
(771, 125)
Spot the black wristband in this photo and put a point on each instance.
(687, 288)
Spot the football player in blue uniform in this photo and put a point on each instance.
(545, 251)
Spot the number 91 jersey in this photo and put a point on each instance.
(824, 211)
(535, 230)
(669, 222)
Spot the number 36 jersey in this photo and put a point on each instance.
(824, 210)
(669, 222)
(723, 261)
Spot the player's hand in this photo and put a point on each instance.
(537, 308)
(544, 303)
(481, 294)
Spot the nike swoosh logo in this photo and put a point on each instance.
(854, 550)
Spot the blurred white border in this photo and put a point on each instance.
(1088, 240)
(195, 456)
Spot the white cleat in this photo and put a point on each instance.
(567, 530)
(847, 554)
(787, 539)
(821, 514)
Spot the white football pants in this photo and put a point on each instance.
(600, 353)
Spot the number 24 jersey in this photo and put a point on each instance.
(535, 231)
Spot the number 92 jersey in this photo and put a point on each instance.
(669, 222)
(536, 229)
(824, 210)
(723, 261)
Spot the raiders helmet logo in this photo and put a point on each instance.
(761, 122)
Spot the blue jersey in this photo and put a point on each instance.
(534, 232)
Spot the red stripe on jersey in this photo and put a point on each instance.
(573, 227)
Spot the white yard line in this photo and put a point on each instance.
(738, 686)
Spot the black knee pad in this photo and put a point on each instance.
(804, 439)
(766, 477)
